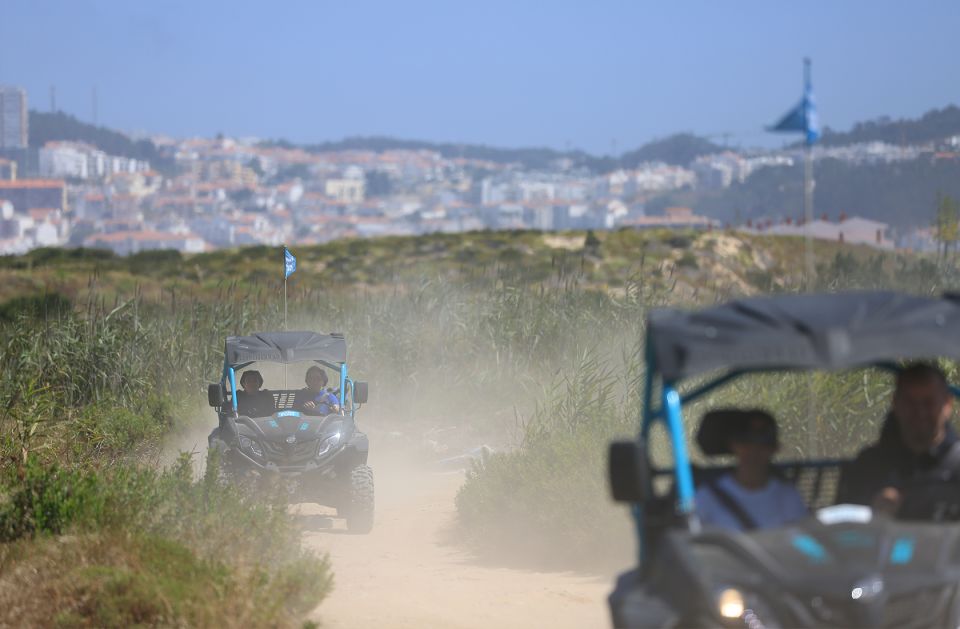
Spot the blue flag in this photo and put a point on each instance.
(289, 263)
(802, 118)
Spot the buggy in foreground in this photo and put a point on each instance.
(843, 566)
(315, 450)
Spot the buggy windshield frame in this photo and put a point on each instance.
(329, 350)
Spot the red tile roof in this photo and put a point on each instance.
(31, 183)
(141, 236)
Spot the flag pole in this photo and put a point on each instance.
(808, 183)
(812, 428)
(810, 268)
(808, 212)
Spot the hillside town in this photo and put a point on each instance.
(229, 192)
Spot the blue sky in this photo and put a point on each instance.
(595, 75)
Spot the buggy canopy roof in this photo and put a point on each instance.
(285, 347)
(825, 331)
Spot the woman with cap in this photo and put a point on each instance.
(750, 496)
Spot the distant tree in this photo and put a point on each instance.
(947, 225)
(241, 195)
(377, 183)
(294, 171)
(255, 165)
(591, 243)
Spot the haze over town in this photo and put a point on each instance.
(216, 169)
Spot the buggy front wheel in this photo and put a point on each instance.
(359, 510)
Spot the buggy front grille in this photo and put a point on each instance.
(284, 454)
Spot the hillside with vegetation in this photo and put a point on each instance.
(902, 194)
(59, 126)
(933, 126)
(105, 359)
(679, 149)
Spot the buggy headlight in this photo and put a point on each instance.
(730, 603)
(328, 444)
(251, 445)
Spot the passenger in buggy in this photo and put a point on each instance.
(315, 399)
(751, 496)
(252, 401)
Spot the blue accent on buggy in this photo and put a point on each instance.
(233, 388)
(288, 414)
(811, 548)
(902, 551)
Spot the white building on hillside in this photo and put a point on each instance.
(854, 231)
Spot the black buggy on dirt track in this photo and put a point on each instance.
(315, 451)
(843, 566)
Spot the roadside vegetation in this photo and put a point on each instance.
(92, 532)
(529, 342)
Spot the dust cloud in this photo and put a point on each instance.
(410, 571)
(447, 391)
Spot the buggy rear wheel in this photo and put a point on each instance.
(359, 512)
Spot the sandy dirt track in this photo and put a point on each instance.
(405, 574)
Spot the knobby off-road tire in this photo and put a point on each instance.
(360, 500)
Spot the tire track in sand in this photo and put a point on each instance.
(403, 575)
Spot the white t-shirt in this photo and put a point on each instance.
(774, 505)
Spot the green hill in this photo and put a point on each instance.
(679, 150)
(934, 125)
(902, 194)
(59, 126)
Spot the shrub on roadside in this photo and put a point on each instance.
(135, 546)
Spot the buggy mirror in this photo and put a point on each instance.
(629, 471)
(215, 395)
(360, 391)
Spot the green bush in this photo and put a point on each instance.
(190, 546)
(48, 306)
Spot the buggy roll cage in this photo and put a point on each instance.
(908, 328)
(328, 350)
(229, 375)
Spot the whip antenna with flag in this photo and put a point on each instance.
(803, 119)
(289, 266)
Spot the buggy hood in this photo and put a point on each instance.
(285, 347)
(815, 331)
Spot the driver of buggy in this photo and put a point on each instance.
(315, 399)
(913, 471)
(750, 496)
(252, 401)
